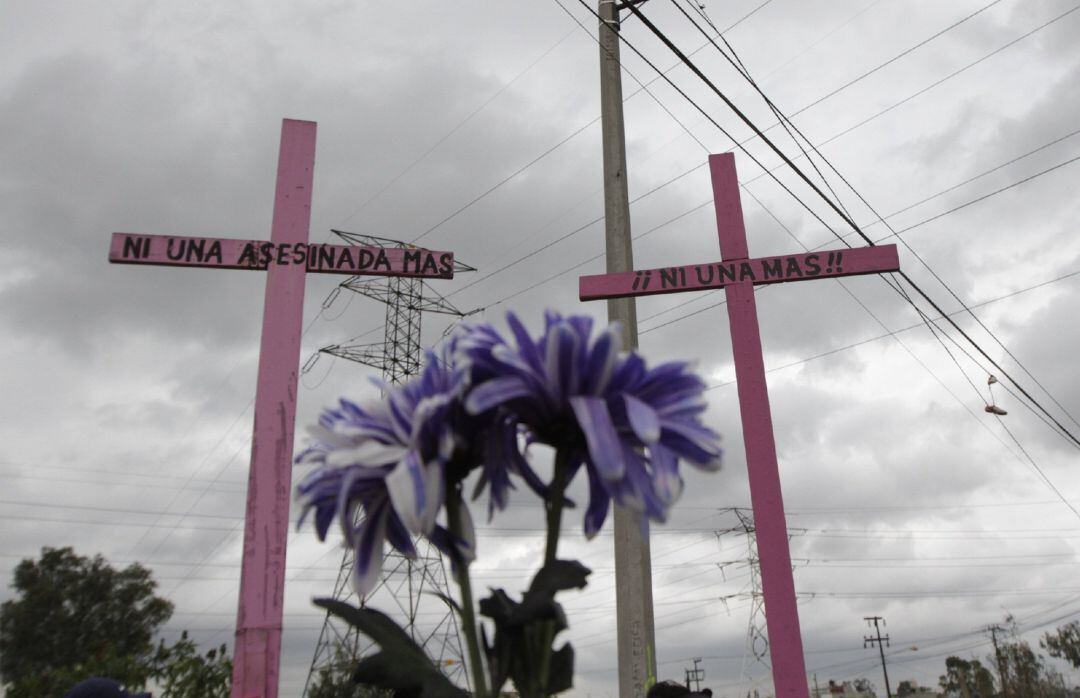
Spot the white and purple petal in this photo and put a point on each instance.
(603, 441)
(643, 419)
(369, 551)
(408, 490)
(599, 502)
(495, 392)
(696, 443)
(667, 483)
(369, 453)
(601, 363)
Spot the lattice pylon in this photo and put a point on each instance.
(757, 641)
(756, 668)
(411, 586)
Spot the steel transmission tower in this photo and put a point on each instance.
(757, 640)
(411, 584)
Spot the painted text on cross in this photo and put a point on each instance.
(227, 253)
(761, 270)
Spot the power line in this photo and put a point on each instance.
(705, 203)
(915, 225)
(831, 204)
(662, 75)
(898, 56)
(940, 81)
(980, 199)
(785, 121)
(643, 87)
(408, 168)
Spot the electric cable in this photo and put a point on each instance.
(699, 166)
(408, 168)
(801, 175)
(786, 120)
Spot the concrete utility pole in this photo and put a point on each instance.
(870, 641)
(633, 564)
(695, 675)
(994, 630)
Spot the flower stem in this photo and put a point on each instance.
(556, 496)
(468, 614)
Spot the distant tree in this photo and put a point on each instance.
(183, 672)
(1064, 643)
(966, 679)
(74, 617)
(1027, 674)
(1024, 672)
(905, 689)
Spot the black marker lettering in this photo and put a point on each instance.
(326, 257)
(300, 253)
(266, 251)
(175, 252)
(346, 257)
(214, 252)
(136, 248)
(247, 256)
(771, 268)
(194, 250)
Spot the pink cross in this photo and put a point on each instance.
(287, 257)
(737, 274)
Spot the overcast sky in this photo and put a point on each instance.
(473, 126)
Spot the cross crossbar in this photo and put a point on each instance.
(758, 271)
(228, 253)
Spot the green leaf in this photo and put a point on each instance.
(499, 607)
(498, 658)
(561, 671)
(401, 666)
(525, 631)
(449, 601)
(558, 576)
(376, 625)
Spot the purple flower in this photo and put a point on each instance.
(627, 424)
(387, 461)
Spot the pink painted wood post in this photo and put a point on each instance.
(777, 583)
(287, 257)
(737, 274)
(257, 654)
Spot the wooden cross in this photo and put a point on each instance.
(737, 274)
(287, 257)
